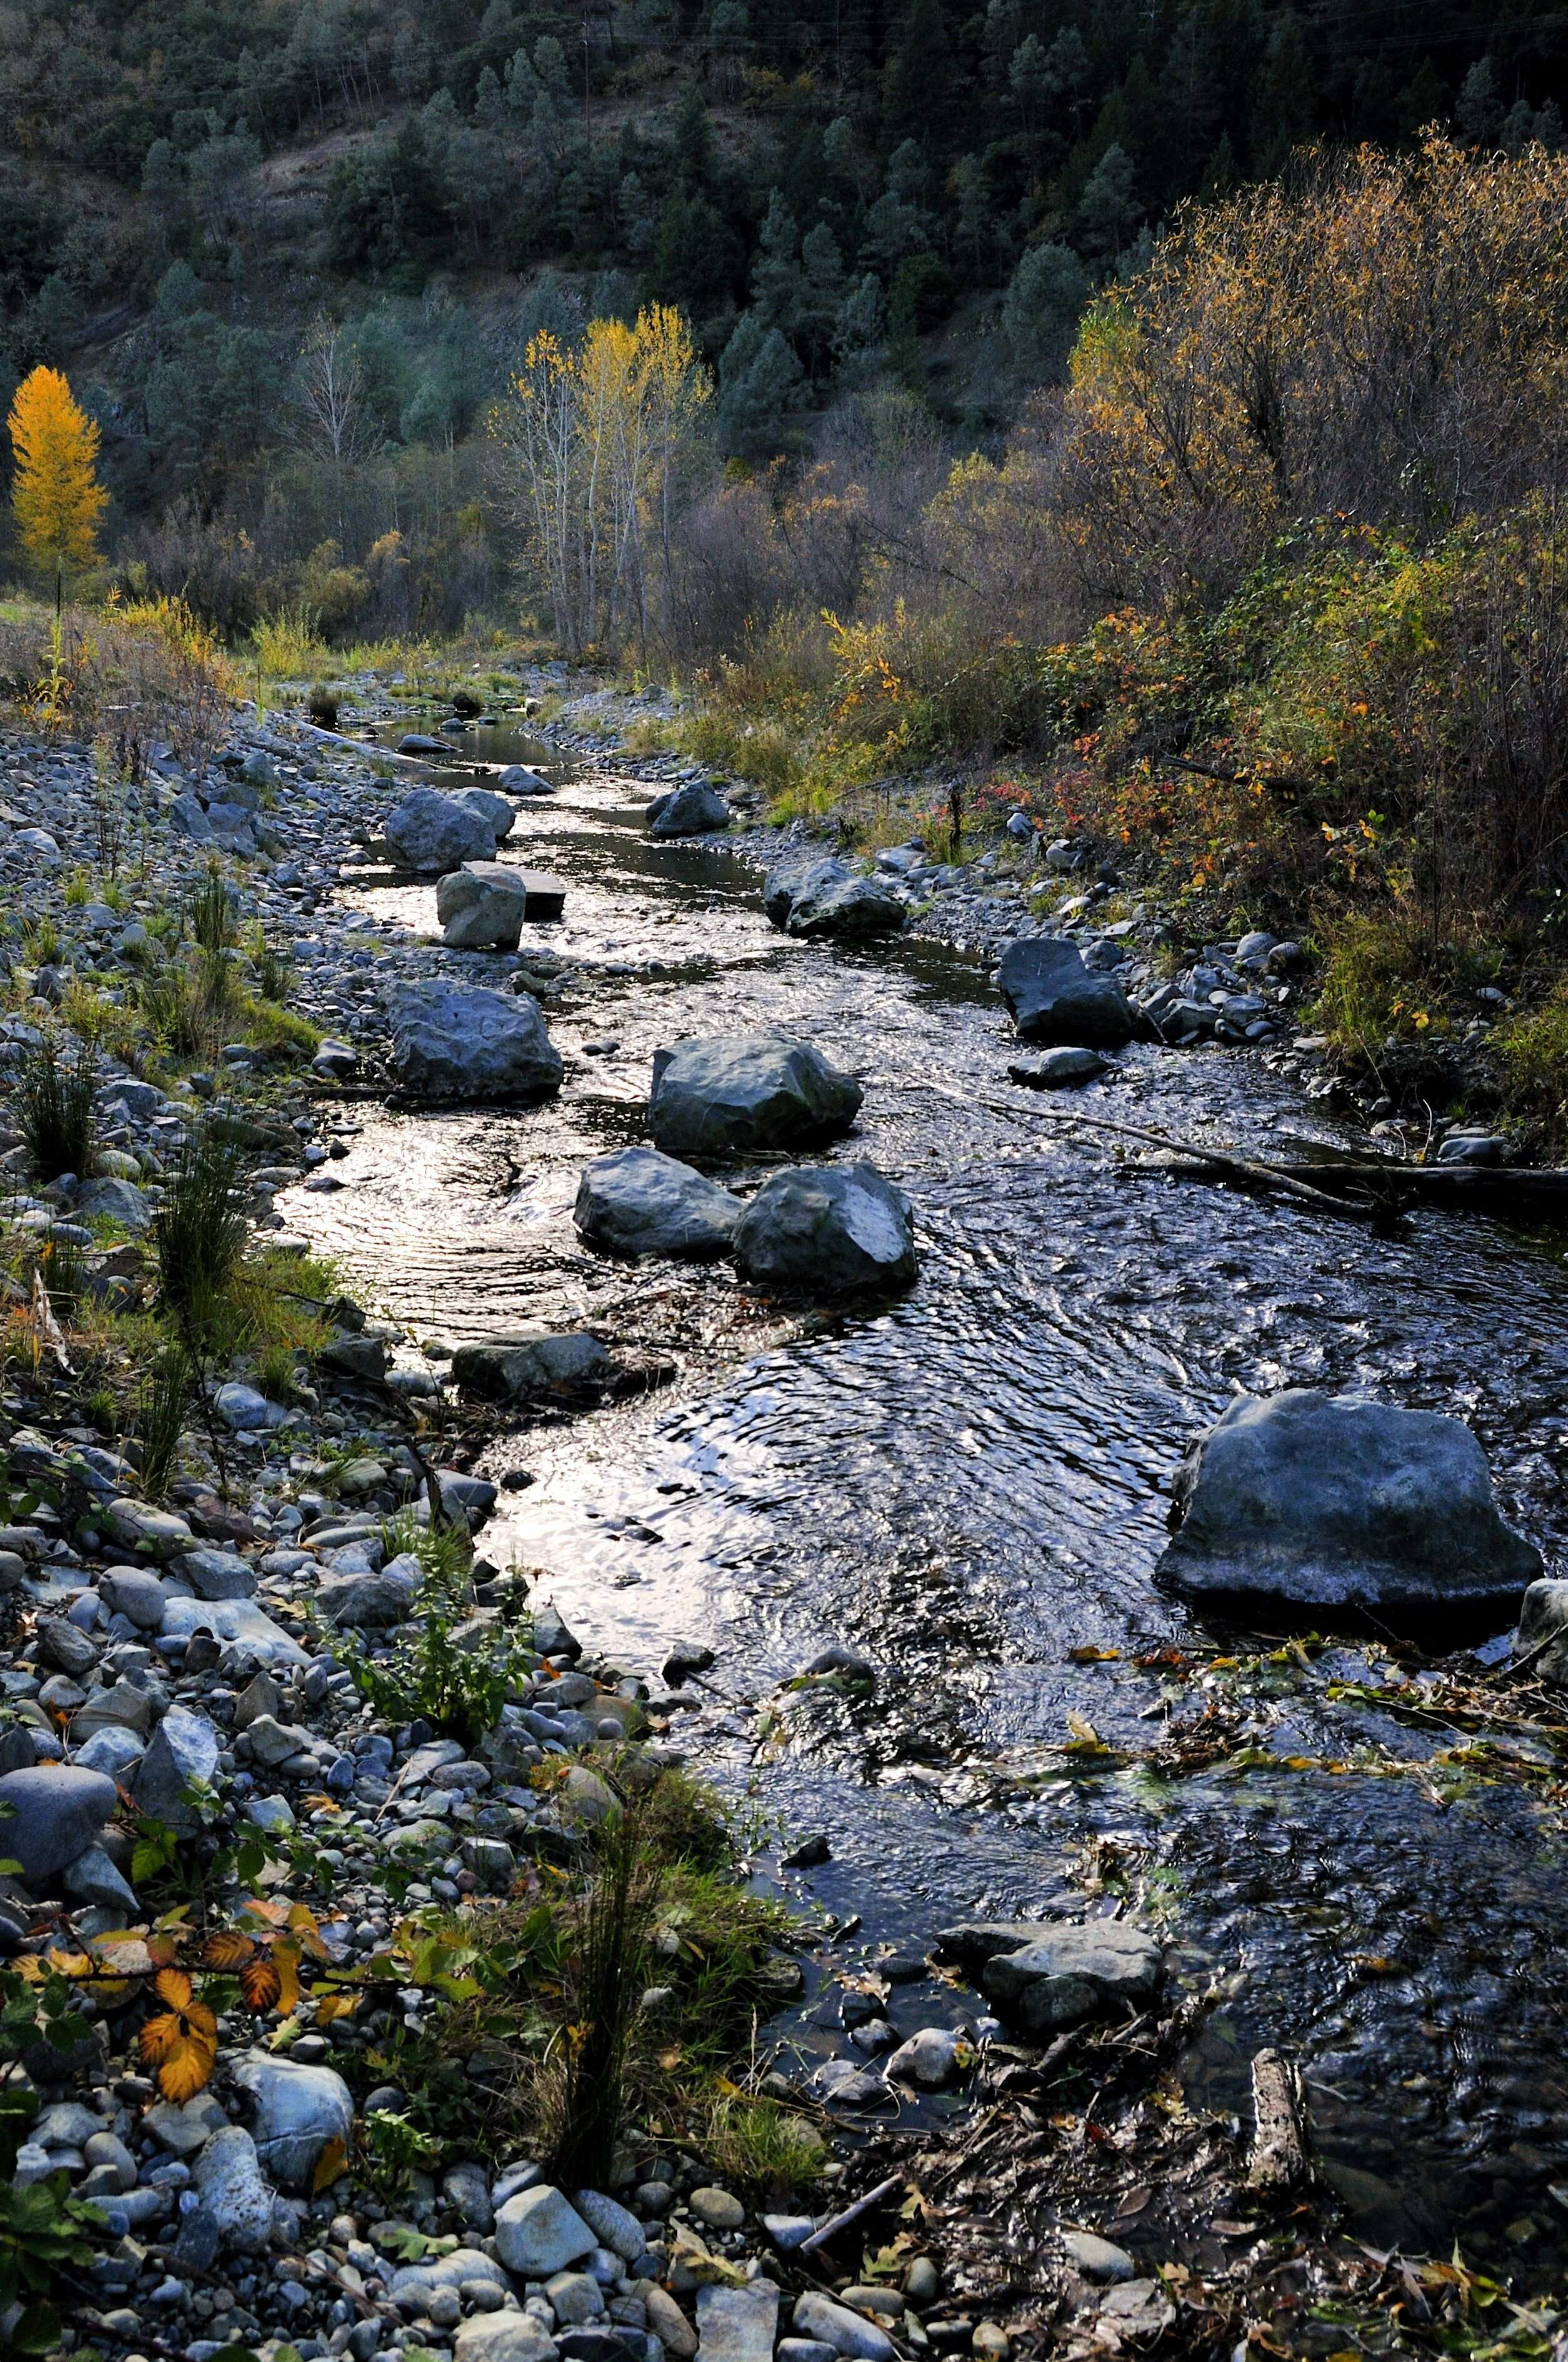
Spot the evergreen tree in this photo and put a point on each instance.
(821, 293)
(776, 282)
(858, 329)
(1281, 104)
(1478, 110)
(759, 377)
(1108, 210)
(918, 88)
(1045, 297)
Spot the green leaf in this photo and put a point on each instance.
(38, 2330)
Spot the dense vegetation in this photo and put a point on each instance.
(195, 199)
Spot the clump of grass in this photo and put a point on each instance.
(764, 2145)
(56, 1109)
(762, 751)
(162, 1404)
(604, 1973)
(277, 1032)
(200, 1231)
(78, 893)
(444, 1552)
(274, 971)
(289, 642)
(40, 940)
(209, 915)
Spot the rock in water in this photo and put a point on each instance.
(525, 1362)
(481, 907)
(847, 908)
(519, 780)
(638, 1202)
(1054, 998)
(784, 885)
(726, 1095)
(1057, 1070)
(432, 834)
(500, 816)
(1073, 1973)
(829, 1229)
(53, 1813)
(695, 809)
(1326, 1503)
(461, 1043)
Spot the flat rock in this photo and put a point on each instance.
(728, 1095)
(1060, 1069)
(827, 1230)
(614, 2226)
(238, 1621)
(529, 1362)
(1326, 1503)
(637, 1201)
(218, 1574)
(114, 1200)
(738, 2324)
(931, 2059)
(1097, 2259)
(1052, 997)
(1073, 1973)
(368, 1601)
(463, 1044)
(503, 2337)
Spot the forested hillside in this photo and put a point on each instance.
(290, 254)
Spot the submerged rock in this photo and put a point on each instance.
(1326, 1503)
(1060, 1069)
(461, 1043)
(431, 832)
(727, 1095)
(1052, 997)
(834, 1229)
(639, 1202)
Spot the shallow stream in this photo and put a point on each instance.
(973, 1484)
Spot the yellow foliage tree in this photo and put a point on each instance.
(56, 494)
(596, 434)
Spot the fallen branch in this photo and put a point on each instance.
(1279, 2164)
(1251, 1172)
(851, 2214)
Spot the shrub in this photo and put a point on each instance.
(200, 1231)
(1533, 1055)
(167, 1392)
(56, 1108)
(289, 642)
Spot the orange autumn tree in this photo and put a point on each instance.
(56, 495)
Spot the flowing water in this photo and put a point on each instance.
(972, 1483)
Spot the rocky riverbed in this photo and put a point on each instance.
(1068, 1858)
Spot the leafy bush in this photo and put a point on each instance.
(459, 1691)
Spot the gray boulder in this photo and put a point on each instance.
(481, 907)
(827, 1229)
(456, 1044)
(639, 1202)
(728, 1095)
(540, 2232)
(234, 2189)
(50, 1813)
(1052, 997)
(183, 1749)
(134, 1593)
(785, 884)
(218, 1574)
(298, 2110)
(846, 907)
(526, 1363)
(371, 1602)
(694, 809)
(114, 1200)
(498, 814)
(432, 834)
(1073, 1973)
(1324, 1503)
(519, 779)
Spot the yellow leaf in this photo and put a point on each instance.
(286, 1960)
(228, 1950)
(329, 2165)
(173, 1986)
(334, 2005)
(260, 1981)
(75, 1965)
(181, 2047)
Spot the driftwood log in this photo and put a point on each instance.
(1279, 2162)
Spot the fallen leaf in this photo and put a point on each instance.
(329, 2165)
(1088, 1655)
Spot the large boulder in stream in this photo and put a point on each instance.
(432, 834)
(481, 907)
(694, 809)
(1318, 1501)
(461, 1045)
(499, 815)
(1052, 997)
(731, 1094)
(827, 897)
(827, 1230)
(638, 1202)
